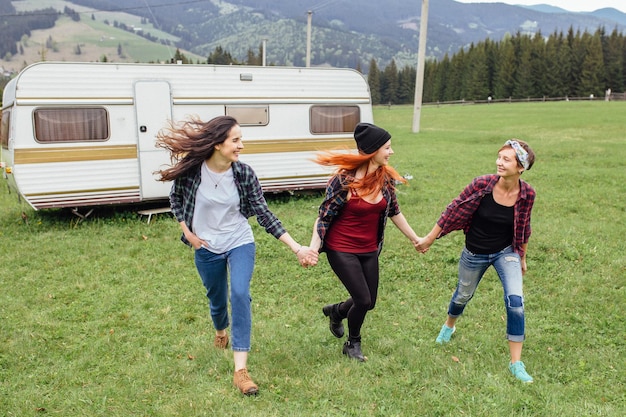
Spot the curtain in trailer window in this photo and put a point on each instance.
(249, 115)
(334, 119)
(71, 124)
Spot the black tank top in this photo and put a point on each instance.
(491, 229)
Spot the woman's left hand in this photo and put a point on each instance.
(422, 244)
(307, 256)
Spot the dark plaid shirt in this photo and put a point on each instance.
(458, 215)
(337, 196)
(251, 200)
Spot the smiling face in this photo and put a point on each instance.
(381, 156)
(506, 163)
(229, 149)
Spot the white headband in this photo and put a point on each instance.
(520, 152)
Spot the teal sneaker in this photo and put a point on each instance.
(519, 371)
(444, 334)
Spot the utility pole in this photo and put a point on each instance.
(309, 16)
(264, 47)
(419, 77)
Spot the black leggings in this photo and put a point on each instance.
(359, 274)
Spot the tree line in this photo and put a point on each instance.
(13, 26)
(572, 64)
(221, 56)
(520, 66)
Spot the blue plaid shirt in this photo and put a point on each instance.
(251, 200)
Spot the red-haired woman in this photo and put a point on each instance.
(350, 227)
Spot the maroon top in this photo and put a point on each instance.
(355, 230)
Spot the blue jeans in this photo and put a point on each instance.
(213, 269)
(507, 264)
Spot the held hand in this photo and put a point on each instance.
(422, 245)
(307, 256)
(311, 257)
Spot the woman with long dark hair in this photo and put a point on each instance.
(212, 197)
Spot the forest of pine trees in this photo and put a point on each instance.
(16, 25)
(520, 66)
(575, 64)
(523, 66)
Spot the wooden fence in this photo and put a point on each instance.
(609, 97)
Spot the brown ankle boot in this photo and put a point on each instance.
(221, 342)
(242, 380)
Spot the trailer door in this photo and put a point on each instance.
(153, 104)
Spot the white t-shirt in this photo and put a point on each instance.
(216, 218)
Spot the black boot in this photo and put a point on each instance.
(336, 326)
(353, 350)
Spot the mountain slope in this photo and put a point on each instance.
(611, 14)
(94, 37)
(343, 35)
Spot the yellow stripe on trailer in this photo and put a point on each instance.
(74, 154)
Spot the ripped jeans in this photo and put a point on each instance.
(507, 264)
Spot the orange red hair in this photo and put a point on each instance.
(349, 163)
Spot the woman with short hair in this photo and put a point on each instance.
(494, 213)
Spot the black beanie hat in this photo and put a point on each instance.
(370, 138)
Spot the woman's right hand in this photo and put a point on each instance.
(191, 237)
(195, 241)
(307, 256)
(423, 244)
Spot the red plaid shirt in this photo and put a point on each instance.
(458, 214)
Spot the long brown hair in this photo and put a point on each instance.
(192, 142)
(349, 163)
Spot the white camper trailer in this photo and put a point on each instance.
(83, 134)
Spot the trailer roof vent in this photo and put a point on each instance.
(245, 76)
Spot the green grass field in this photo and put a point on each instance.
(107, 317)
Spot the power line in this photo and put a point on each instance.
(155, 24)
(121, 9)
(323, 4)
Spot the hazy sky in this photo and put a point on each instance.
(571, 5)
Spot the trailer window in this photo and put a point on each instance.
(334, 119)
(71, 124)
(4, 128)
(249, 116)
